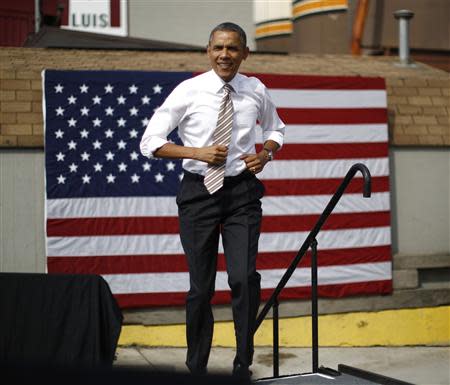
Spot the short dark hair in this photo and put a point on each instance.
(228, 26)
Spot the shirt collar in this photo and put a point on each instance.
(217, 83)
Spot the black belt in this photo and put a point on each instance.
(228, 180)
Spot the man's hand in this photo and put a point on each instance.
(255, 162)
(213, 155)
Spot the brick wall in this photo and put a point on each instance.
(418, 98)
(419, 111)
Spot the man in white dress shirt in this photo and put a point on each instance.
(234, 211)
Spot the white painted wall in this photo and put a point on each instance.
(22, 232)
(187, 21)
(420, 186)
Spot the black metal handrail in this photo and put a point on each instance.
(311, 241)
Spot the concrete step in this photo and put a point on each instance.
(402, 262)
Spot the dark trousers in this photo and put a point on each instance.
(235, 212)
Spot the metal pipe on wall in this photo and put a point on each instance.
(403, 16)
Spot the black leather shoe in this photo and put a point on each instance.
(241, 371)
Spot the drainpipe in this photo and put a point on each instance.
(403, 16)
(358, 26)
(37, 15)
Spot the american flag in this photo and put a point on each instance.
(110, 211)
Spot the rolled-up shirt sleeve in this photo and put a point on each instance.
(272, 126)
(165, 119)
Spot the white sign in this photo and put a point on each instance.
(97, 16)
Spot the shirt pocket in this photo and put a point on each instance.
(246, 115)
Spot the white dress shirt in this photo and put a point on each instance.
(194, 105)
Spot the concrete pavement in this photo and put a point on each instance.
(419, 365)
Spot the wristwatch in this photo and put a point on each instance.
(269, 153)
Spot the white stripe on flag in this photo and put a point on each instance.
(166, 206)
(170, 244)
(315, 204)
(179, 282)
(332, 133)
(328, 98)
(112, 207)
(318, 169)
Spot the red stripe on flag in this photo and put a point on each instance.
(292, 82)
(114, 6)
(333, 115)
(223, 297)
(331, 151)
(331, 257)
(134, 264)
(335, 221)
(76, 227)
(279, 187)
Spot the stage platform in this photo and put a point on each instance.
(346, 375)
(314, 379)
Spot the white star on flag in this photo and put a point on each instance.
(72, 99)
(86, 178)
(133, 133)
(60, 157)
(121, 122)
(108, 89)
(170, 166)
(146, 166)
(59, 134)
(159, 177)
(85, 156)
(122, 167)
(72, 145)
(59, 111)
(97, 144)
(134, 111)
(134, 155)
(135, 178)
(73, 167)
(72, 122)
(84, 88)
(84, 133)
(97, 122)
(61, 179)
(157, 89)
(109, 156)
(84, 111)
(133, 89)
(109, 111)
(59, 88)
(110, 178)
(109, 133)
(145, 100)
(96, 99)
(98, 167)
(121, 145)
(121, 99)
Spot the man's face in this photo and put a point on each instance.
(226, 53)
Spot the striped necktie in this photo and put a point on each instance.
(222, 135)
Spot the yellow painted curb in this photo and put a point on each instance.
(424, 326)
